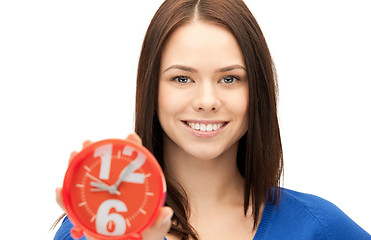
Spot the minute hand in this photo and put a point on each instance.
(134, 165)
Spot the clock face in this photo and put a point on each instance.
(113, 188)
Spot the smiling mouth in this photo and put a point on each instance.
(205, 127)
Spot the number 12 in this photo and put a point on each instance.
(105, 153)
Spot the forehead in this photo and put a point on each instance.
(201, 42)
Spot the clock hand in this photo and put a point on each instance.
(98, 187)
(94, 178)
(103, 187)
(137, 163)
(102, 184)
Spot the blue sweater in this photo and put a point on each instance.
(302, 216)
(298, 216)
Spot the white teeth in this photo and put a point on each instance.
(205, 127)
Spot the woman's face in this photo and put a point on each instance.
(203, 91)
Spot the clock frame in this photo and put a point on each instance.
(113, 189)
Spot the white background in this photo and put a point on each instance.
(68, 69)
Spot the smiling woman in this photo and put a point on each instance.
(206, 107)
(211, 65)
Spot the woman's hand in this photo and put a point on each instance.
(159, 227)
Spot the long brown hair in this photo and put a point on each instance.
(259, 156)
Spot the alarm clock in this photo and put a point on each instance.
(113, 189)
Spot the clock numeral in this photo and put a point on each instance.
(105, 154)
(111, 224)
(133, 177)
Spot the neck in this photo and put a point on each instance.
(207, 182)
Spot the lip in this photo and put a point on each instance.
(205, 134)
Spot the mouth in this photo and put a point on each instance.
(205, 126)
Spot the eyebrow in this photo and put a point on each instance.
(230, 68)
(192, 70)
(181, 67)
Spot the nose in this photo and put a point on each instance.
(206, 98)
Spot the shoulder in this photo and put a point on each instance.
(309, 214)
(314, 206)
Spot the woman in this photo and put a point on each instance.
(206, 108)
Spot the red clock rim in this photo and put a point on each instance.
(76, 161)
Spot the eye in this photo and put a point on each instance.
(229, 79)
(182, 79)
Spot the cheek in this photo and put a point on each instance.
(165, 100)
(169, 103)
(238, 103)
(161, 104)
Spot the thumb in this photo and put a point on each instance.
(160, 227)
(58, 197)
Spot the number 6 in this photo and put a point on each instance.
(111, 224)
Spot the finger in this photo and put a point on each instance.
(58, 197)
(86, 143)
(72, 155)
(133, 137)
(160, 227)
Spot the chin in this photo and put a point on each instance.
(203, 154)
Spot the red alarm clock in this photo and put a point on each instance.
(113, 189)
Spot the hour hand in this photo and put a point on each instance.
(103, 187)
